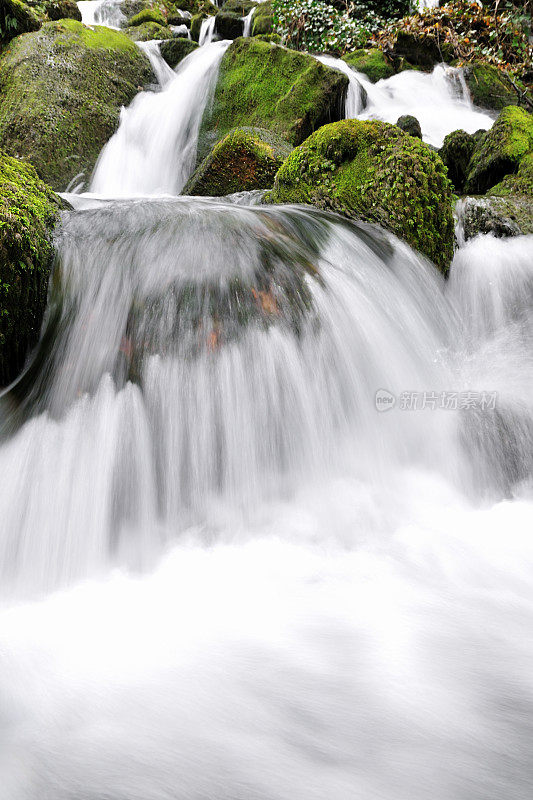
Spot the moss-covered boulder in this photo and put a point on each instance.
(267, 86)
(371, 62)
(456, 153)
(229, 25)
(375, 171)
(240, 7)
(521, 183)
(500, 216)
(245, 159)
(148, 15)
(148, 31)
(423, 50)
(263, 20)
(175, 50)
(196, 26)
(410, 125)
(29, 211)
(61, 91)
(494, 88)
(17, 17)
(500, 151)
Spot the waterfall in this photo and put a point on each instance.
(154, 149)
(439, 100)
(161, 69)
(247, 30)
(102, 12)
(207, 31)
(266, 501)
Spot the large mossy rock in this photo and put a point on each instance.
(500, 151)
(17, 17)
(263, 20)
(263, 85)
(245, 159)
(148, 31)
(175, 50)
(61, 91)
(520, 183)
(456, 153)
(371, 62)
(229, 25)
(375, 171)
(29, 211)
(423, 50)
(494, 88)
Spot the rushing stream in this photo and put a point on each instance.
(266, 500)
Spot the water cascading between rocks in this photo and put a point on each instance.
(313, 582)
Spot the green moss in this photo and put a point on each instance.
(147, 31)
(229, 25)
(245, 159)
(29, 211)
(148, 15)
(18, 17)
(196, 25)
(519, 184)
(62, 89)
(491, 87)
(371, 63)
(375, 171)
(263, 20)
(176, 49)
(500, 151)
(266, 86)
(240, 7)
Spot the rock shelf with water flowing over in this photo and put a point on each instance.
(266, 416)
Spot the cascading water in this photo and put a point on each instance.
(266, 501)
(161, 69)
(154, 149)
(248, 20)
(207, 31)
(102, 12)
(439, 100)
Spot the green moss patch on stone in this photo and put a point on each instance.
(61, 90)
(520, 183)
(263, 20)
(371, 62)
(493, 88)
(245, 159)
(148, 31)
(29, 210)
(456, 153)
(148, 15)
(176, 49)
(375, 171)
(500, 151)
(267, 86)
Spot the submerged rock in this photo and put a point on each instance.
(267, 86)
(61, 91)
(371, 62)
(410, 125)
(456, 153)
(29, 211)
(246, 159)
(373, 170)
(509, 216)
(175, 50)
(500, 151)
